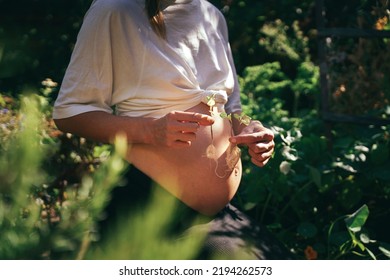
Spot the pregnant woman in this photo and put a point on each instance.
(161, 72)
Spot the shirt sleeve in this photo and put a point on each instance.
(88, 81)
(234, 101)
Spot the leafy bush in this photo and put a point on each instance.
(36, 221)
(320, 171)
(317, 174)
(55, 188)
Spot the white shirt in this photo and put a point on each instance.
(120, 64)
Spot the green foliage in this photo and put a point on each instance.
(36, 40)
(276, 41)
(316, 174)
(53, 187)
(45, 217)
(290, 74)
(246, 36)
(34, 220)
(19, 171)
(140, 235)
(318, 171)
(357, 241)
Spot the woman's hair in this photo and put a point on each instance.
(155, 16)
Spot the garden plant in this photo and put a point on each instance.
(325, 193)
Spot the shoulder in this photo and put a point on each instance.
(214, 13)
(119, 15)
(210, 9)
(117, 5)
(116, 8)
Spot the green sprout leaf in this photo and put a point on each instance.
(243, 118)
(385, 249)
(355, 221)
(211, 100)
(225, 115)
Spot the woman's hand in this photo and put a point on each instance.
(260, 142)
(178, 129)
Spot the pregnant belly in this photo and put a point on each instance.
(202, 176)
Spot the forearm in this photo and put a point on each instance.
(103, 127)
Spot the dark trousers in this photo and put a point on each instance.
(231, 234)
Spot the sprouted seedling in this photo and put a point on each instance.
(233, 152)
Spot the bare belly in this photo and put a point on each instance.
(204, 182)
